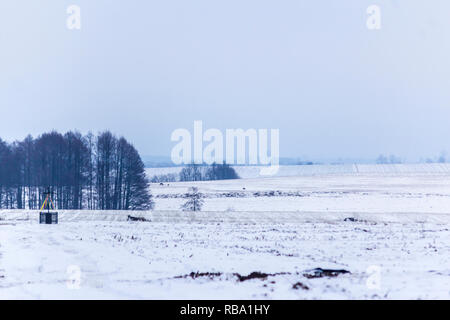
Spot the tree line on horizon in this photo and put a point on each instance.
(100, 172)
(199, 172)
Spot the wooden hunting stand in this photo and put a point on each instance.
(48, 217)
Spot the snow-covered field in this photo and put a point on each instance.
(325, 169)
(391, 231)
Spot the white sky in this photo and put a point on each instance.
(309, 68)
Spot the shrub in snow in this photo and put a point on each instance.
(194, 200)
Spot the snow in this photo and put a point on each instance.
(326, 169)
(280, 225)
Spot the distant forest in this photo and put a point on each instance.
(100, 172)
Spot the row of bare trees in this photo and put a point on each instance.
(100, 172)
(196, 172)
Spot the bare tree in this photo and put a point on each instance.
(220, 172)
(196, 172)
(192, 172)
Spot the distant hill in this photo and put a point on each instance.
(166, 162)
(157, 161)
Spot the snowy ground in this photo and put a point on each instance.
(396, 247)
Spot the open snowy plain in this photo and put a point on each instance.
(256, 238)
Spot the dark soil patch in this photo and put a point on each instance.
(320, 273)
(195, 275)
(351, 219)
(310, 274)
(300, 285)
(141, 219)
(257, 275)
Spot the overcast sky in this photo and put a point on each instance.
(309, 68)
